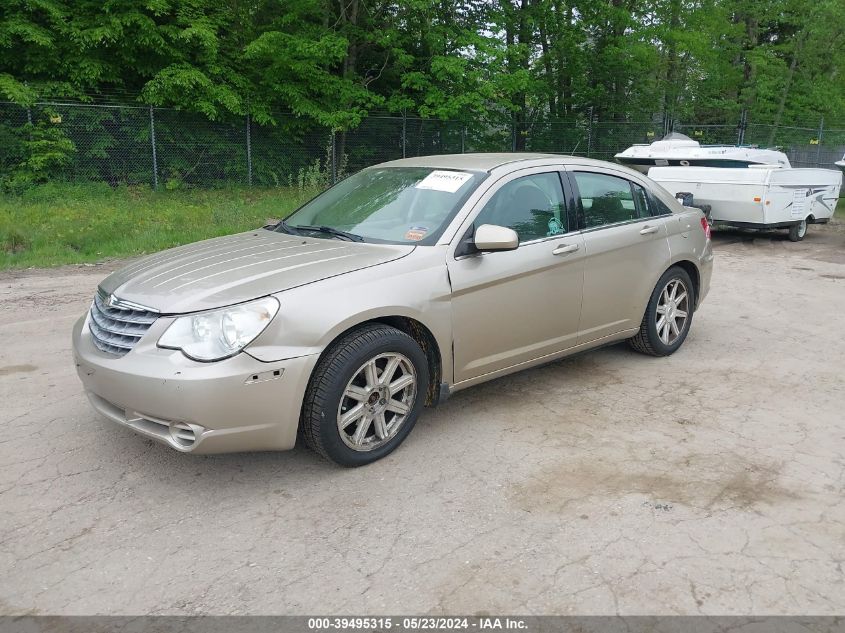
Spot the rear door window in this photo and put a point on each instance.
(605, 199)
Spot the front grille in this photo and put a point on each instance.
(117, 326)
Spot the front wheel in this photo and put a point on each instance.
(798, 231)
(365, 395)
(668, 316)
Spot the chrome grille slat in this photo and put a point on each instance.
(129, 316)
(114, 326)
(116, 329)
(118, 340)
(109, 349)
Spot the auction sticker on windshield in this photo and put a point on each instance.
(439, 180)
(416, 233)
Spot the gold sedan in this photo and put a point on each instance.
(396, 287)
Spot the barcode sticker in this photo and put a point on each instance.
(449, 181)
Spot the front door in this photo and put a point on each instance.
(516, 306)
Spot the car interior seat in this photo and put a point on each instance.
(607, 210)
(526, 209)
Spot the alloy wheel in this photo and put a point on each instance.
(377, 401)
(672, 312)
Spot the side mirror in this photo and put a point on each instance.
(490, 237)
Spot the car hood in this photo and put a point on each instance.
(228, 270)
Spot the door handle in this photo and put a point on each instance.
(565, 249)
(649, 229)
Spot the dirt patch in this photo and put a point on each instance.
(824, 243)
(101, 268)
(16, 369)
(701, 481)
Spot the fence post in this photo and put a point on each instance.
(404, 132)
(819, 146)
(463, 138)
(29, 116)
(743, 123)
(334, 156)
(153, 143)
(248, 152)
(590, 133)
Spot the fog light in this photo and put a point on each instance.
(182, 434)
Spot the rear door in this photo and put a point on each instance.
(626, 247)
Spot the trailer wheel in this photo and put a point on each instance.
(798, 231)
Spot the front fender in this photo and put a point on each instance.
(312, 316)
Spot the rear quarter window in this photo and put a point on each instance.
(658, 207)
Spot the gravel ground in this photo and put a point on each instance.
(708, 482)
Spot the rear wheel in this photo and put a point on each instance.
(798, 231)
(668, 316)
(365, 395)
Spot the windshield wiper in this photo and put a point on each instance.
(351, 237)
(285, 227)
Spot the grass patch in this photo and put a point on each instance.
(58, 224)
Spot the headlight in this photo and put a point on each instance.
(222, 333)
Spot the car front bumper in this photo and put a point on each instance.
(237, 404)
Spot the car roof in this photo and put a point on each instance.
(486, 162)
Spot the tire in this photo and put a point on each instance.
(342, 381)
(798, 231)
(648, 340)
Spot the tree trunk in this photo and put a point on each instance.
(517, 38)
(793, 64)
(748, 92)
(547, 64)
(348, 15)
(524, 33)
(670, 89)
(566, 66)
(561, 34)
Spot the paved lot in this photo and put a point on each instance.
(711, 481)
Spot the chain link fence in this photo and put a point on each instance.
(167, 148)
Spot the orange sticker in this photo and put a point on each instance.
(416, 233)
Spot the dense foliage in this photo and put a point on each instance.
(505, 61)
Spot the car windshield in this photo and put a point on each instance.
(399, 205)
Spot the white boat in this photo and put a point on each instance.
(757, 197)
(841, 164)
(678, 150)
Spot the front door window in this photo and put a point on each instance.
(533, 206)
